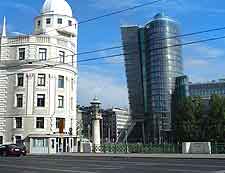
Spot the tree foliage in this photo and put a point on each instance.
(197, 120)
(216, 119)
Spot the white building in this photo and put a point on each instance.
(115, 121)
(38, 82)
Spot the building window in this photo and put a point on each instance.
(38, 23)
(62, 56)
(40, 122)
(72, 103)
(21, 53)
(40, 100)
(72, 84)
(60, 101)
(20, 78)
(48, 21)
(43, 54)
(1, 140)
(40, 142)
(73, 60)
(41, 79)
(19, 122)
(70, 23)
(18, 139)
(58, 122)
(59, 20)
(19, 100)
(61, 82)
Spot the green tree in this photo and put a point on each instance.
(188, 119)
(216, 119)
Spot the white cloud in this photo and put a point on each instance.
(207, 51)
(191, 62)
(198, 79)
(104, 86)
(18, 33)
(201, 56)
(201, 62)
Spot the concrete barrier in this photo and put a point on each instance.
(196, 148)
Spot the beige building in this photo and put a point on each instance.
(38, 82)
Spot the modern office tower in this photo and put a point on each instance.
(38, 82)
(153, 60)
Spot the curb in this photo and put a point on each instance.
(130, 157)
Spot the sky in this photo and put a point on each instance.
(106, 78)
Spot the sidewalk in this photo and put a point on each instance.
(144, 156)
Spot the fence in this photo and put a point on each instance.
(138, 148)
(218, 148)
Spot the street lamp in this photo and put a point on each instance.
(96, 117)
(89, 132)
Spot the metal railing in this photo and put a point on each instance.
(218, 148)
(138, 148)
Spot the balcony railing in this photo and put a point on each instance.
(40, 39)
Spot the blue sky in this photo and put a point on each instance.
(106, 78)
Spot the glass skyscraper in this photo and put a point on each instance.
(153, 60)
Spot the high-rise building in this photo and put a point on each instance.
(153, 60)
(38, 82)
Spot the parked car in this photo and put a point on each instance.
(10, 150)
(23, 148)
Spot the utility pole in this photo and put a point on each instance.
(102, 131)
(89, 132)
(109, 134)
(126, 140)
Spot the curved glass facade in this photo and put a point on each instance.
(163, 62)
(159, 63)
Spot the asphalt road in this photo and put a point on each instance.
(66, 164)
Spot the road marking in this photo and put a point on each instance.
(108, 168)
(99, 167)
(184, 170)
(221, 171)
(44, 169)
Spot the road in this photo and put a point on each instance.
(69, 164)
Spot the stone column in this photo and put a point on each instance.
(96, 117)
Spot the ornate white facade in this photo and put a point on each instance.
(38, 82)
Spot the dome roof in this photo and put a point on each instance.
(162, 16)
(96, 101)
(159, 15)
(60, 7)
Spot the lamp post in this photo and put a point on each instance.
(89, 132)
(96, 117)
(126, 142)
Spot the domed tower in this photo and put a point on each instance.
(56, 19)
(38, 82)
